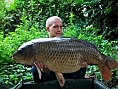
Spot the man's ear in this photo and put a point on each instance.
(47, 28)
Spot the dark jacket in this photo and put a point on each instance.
(51, 76)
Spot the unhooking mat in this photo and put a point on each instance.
(88, 83)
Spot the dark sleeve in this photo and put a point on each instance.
(51, 76)
(79, 74)
(45, 77)
(36, 75)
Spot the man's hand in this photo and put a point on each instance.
(84, 64)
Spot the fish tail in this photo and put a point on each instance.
(107, 66)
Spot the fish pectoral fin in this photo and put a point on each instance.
(39, 71)
(60, 79)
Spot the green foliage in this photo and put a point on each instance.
(8, 45)
(106, 47)
(40, 10)
(15, 39)
(26, 32)
(103, 14)
(2, 13)
(14, 73)
(2, 9)
(24, 20)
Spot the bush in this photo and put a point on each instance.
(25, 20)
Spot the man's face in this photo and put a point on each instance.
(55, 29)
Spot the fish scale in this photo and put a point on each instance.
(68, 61)
(64, 55)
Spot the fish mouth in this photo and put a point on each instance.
(13, 57)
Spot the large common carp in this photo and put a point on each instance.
(64, 55)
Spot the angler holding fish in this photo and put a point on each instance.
(54, 28)
(62, 55)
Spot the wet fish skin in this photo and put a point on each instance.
(64, 55)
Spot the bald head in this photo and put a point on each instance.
(50, 20)
(54, 26)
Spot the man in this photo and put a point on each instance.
(54, 28)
